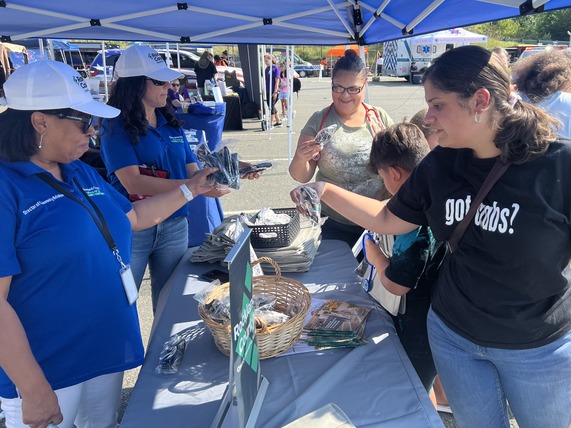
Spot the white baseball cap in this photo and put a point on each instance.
(140, 60)
(51, 85)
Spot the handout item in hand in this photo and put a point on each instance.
(310, 205)
(323, 137)
(257, 167)
(228, 174)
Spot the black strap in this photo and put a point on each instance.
(494, 175)
(99, 219)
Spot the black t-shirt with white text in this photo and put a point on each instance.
(507, 284)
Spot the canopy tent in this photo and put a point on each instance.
(340, 50)
(455, 36)
(293, 22)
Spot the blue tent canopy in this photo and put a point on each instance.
(317, 22)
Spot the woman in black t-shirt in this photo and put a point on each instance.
(500, 321)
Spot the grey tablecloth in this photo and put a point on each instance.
(375, 384)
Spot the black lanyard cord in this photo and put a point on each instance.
(99, 219)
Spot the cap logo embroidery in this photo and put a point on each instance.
(156, 57)
(80, 82)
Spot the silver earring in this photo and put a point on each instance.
(41, 141)
(478, 117)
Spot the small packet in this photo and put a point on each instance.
(323, 137)
(228, 174)
(173, 351)
(310, 205)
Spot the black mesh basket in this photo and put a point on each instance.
(282, 235)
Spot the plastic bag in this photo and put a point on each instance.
(173, 351)
(228, 174)
(310, 205)
(323, 137)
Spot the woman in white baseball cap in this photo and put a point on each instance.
(147, 133)
(68, 325)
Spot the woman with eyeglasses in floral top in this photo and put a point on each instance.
(343, 161)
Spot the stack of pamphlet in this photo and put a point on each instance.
(299, 255)
(336, 324)
(219, 243)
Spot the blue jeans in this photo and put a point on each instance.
(162, 247)
(478, 380)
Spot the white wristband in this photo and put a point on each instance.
(186, 192)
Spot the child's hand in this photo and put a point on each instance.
(375, 256)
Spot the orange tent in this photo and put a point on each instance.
(340, 50)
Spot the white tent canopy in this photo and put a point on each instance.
(453, 36)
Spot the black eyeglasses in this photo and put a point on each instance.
(353, 90)
(85, 119)
(157, 82)
(175, 84)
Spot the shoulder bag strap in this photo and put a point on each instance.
(495, 174)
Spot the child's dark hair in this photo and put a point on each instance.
(401, 145)
(350, 62)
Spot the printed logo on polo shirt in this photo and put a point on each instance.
(177, 139)
(93, 191)
(40, 203)
(491, 218)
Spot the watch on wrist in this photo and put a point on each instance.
(186, 192)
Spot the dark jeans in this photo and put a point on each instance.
(272, 102)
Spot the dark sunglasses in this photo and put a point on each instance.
(175, 84)
(85, 119)
(157, 82)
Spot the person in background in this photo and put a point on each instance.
(283, 90)
(500, 318)
(68, 329)
(272, 88)
(428, 131)
(544, 79)
(219, 61)
(323, 63)
(146, 133)
(413, 71)
(178, 95)
(205, 70)
(413, 267)
(343, 161)
(380, 62)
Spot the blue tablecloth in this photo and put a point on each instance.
(374, 384)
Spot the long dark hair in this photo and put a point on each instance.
(523, 131)
(18, 140)
(126, 95)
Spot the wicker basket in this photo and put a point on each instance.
(272, 339)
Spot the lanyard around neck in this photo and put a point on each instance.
(98, 217)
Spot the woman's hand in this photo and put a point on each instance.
(295, 194)
(307, 150)
(217, 192)
(40, 408)
(199, 184)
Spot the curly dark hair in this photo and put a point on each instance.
(543, 74)
(126, 95)
(523, 131)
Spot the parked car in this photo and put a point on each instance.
(187, 61)
(539, 49)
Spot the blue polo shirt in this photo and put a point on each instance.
(66, 288)
(164, 146)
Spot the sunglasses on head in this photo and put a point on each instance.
(84, 118)
(157, 82)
